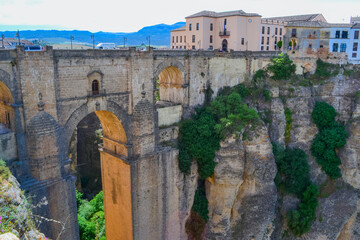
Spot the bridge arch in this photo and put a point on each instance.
(170, 82)
(115, 168)
(7, 117)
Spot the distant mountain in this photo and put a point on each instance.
(159, 35)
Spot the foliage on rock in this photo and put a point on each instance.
(293, 177)
(331, 136)
(282, 67)
(325, 70)
(288, 118)
(200, 137)
(299, 221)
(201, 203)
(91, 217)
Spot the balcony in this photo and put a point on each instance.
(224, 33)
(97, 93)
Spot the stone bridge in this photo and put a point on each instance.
(43, 97)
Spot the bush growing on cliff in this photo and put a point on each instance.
(4, 171)
(293, 169)
(331, 136)
(299, 221)
(282, 67)
(200, 137)
(325, 70)
(91, 217)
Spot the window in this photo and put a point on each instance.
(193, 38)
(177, 38)
(344, 34)
(343, 47)
(263, 30)
(225, 21)
(275, 31)
(262, 48)
(211, 47)
(173, 39)
(197, 26)
(190, 27)
(172, 47)
(268, 30)
(242, 41)
(193, 47)
(335, 47)
(356, 35)
(355, 47)
(185, 39)
(211, 38)
(354, 55)
(293, 32)
(267, 48)
(310, 45)
(337, 34)
(262, 40)
(184, 47)
(267, 40)
(280, 37)
(95, 87)
(321, 46)
(180, 38)
(275, 40)
(280, 32)
(211, 26)
(176, 47)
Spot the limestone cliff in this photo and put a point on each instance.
(243, 199)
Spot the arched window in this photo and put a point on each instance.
(95, 87)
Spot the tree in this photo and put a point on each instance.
(282, 67)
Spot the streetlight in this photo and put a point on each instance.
(125, 39)
(71, 39)
(18, 36)
(148, 38)
(93, 38)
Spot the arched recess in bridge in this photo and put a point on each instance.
(7, 122)
(170, 85)
(115, 175)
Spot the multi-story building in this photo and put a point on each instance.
(273, 29)
(325, 40)
(234, 30)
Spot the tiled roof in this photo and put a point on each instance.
(183, 28)
(318, 24)
(295, 18)
(223, 14)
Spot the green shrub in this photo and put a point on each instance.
(282, 67)
(299, 221)
(331, 136)
(4, 170)
(288, 118)
(91, 217)
(279, 44)
(293, 169)
(200, 205)
(326, 70)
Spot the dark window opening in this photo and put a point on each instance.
(211, 38)
(337, 34)
(95, 87)
(355, 46)
(190, 27)
(263, 30)
(268, 30)
(356, 35)
(197, 26)
(193, 38)
(211, 26)
(354, 55)
(344, 34)
(293, 32)
(343, 47)
(335, 47)
(242, 41)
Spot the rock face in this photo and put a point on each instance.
(243, 200)
(242, 193)
(12, 199)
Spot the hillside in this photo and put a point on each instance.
(159, 35)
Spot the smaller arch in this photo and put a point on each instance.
(7, 116)
(170, 84)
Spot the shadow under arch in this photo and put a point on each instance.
(171, 85)
(7, 116)
(115, 169)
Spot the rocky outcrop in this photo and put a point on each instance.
(242, 193)
(15, 207)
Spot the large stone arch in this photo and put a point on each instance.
(170, 78)
(5, 77)
(82, 111)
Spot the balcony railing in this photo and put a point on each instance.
(97, 93)
(224, 33)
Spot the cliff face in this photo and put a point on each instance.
(243, 200)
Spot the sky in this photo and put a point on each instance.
(132, 15)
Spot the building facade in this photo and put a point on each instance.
(234, 30)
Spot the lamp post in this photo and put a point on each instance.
(71, 39)
(148, 39)
(125, 39)
(18, 36)
(93, 38)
